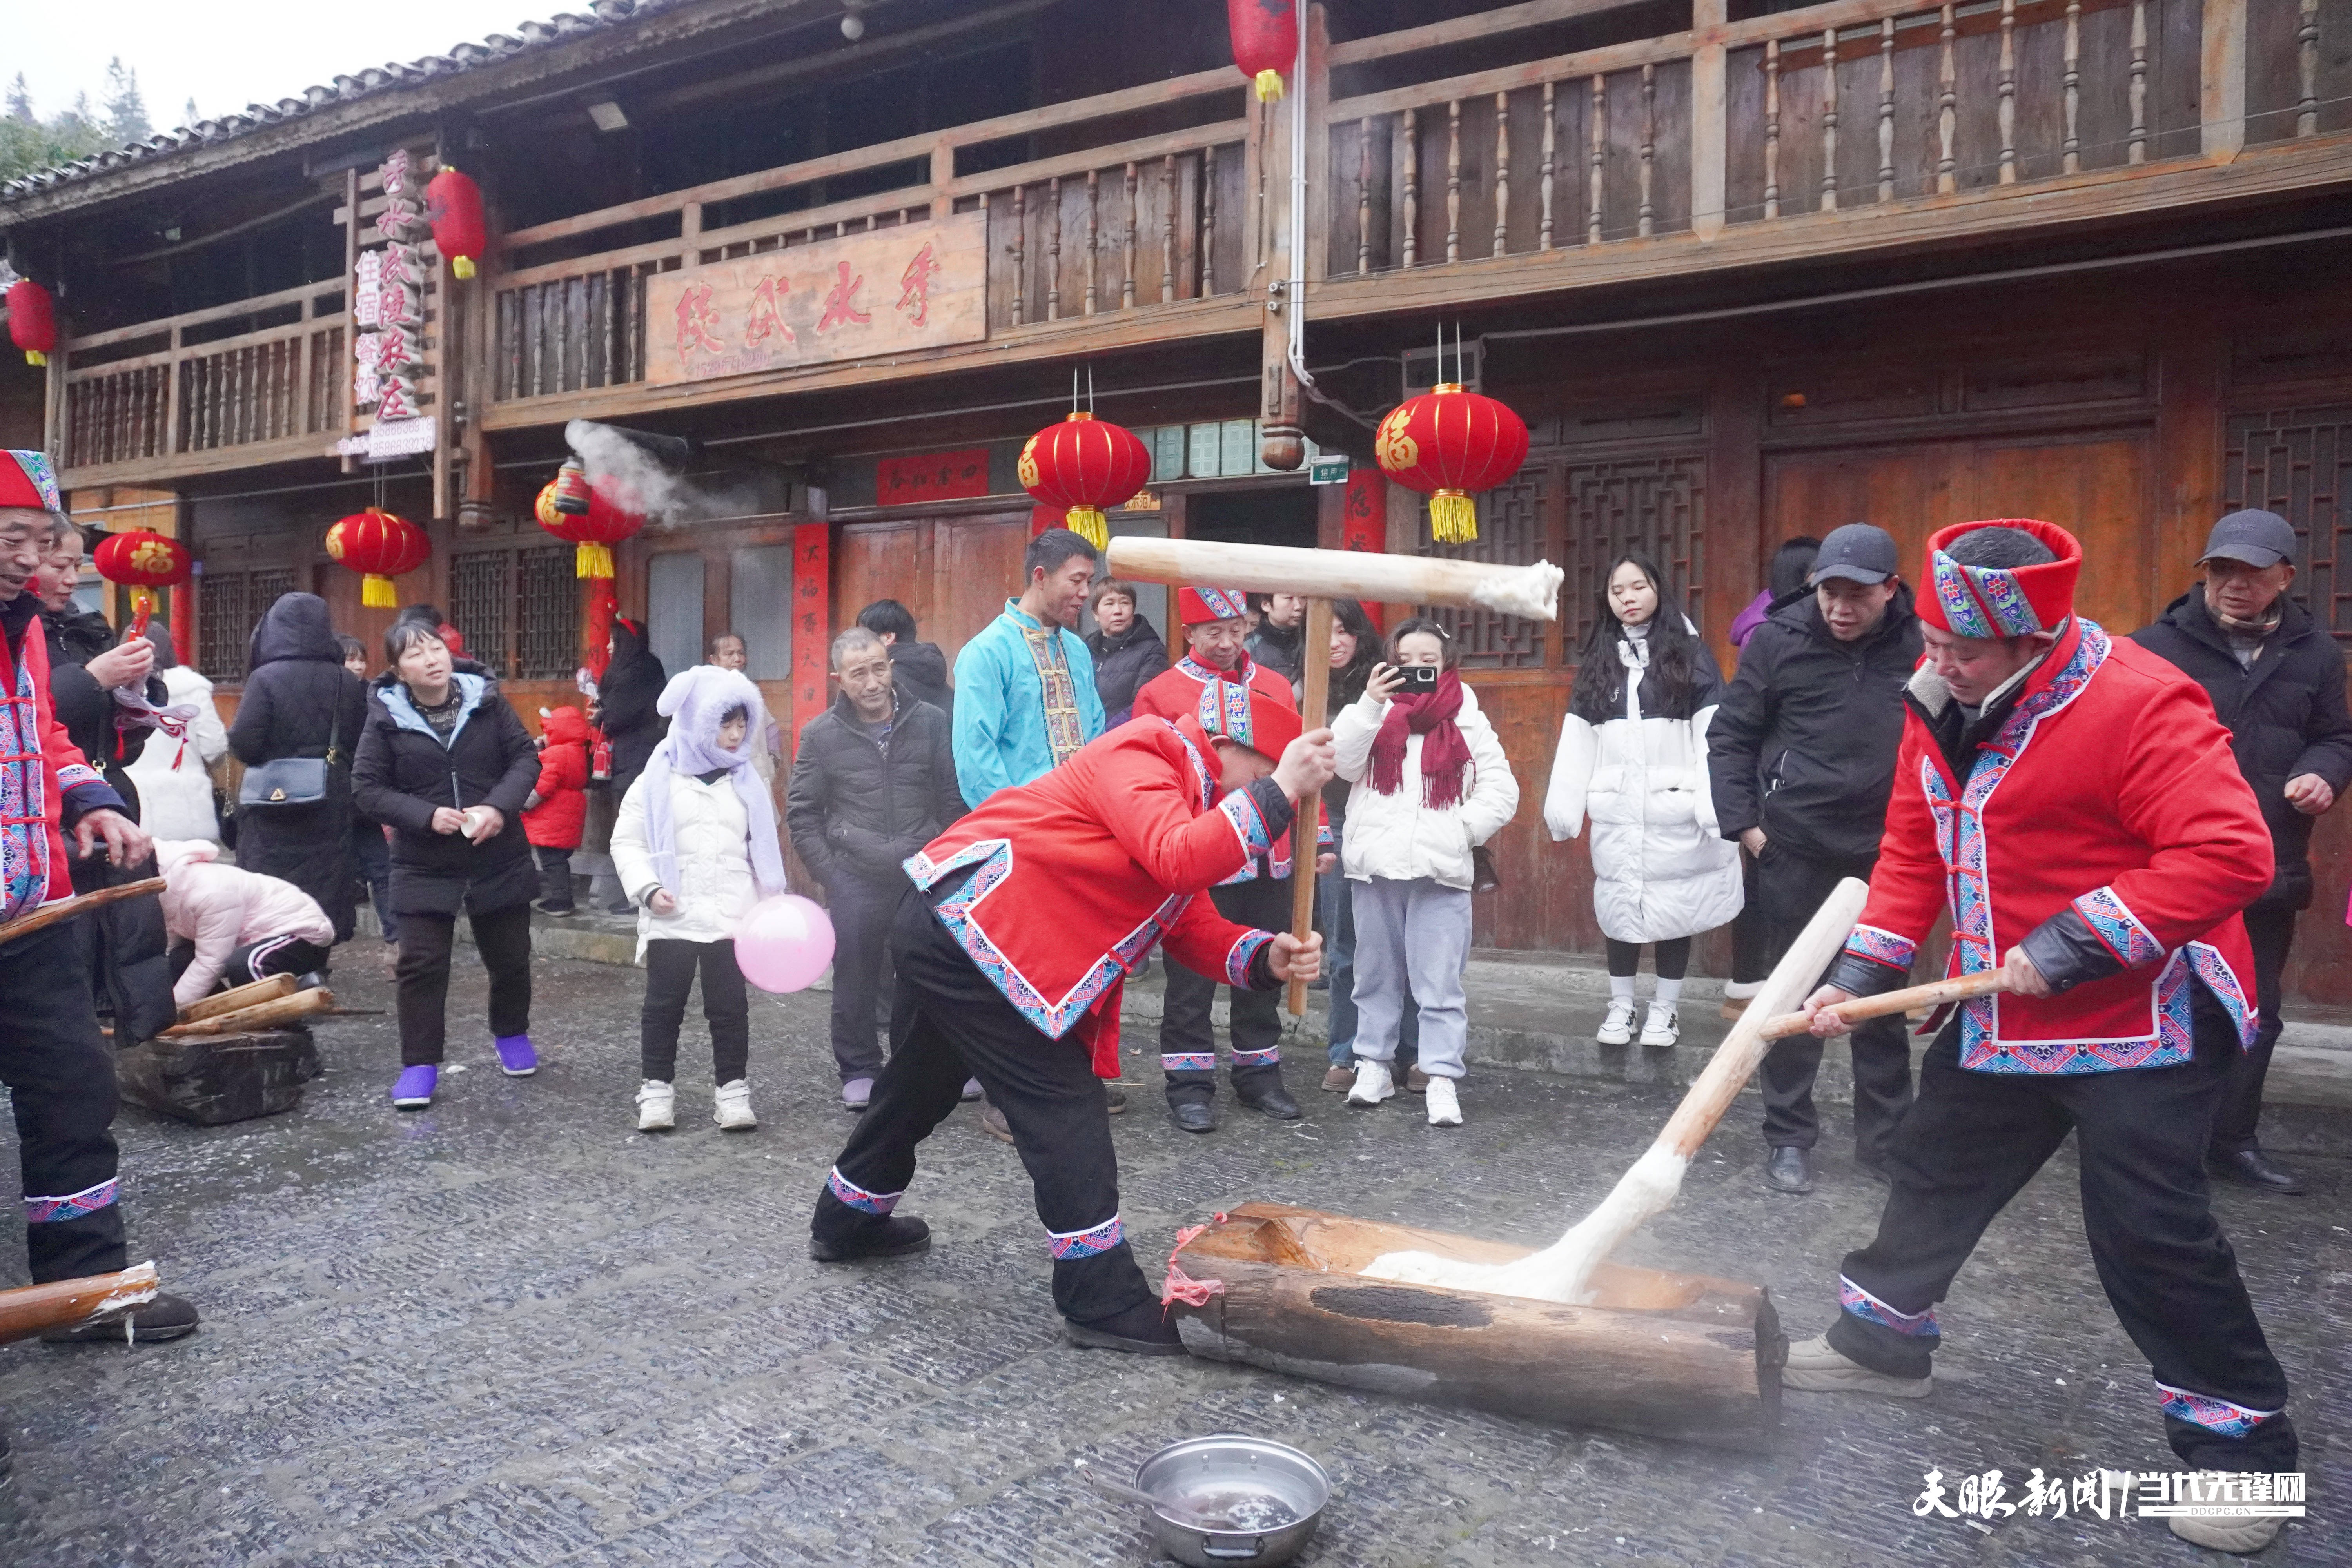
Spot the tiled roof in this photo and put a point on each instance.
(387, 77)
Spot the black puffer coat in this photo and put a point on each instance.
(625, 701)
(298, 696)
(1278, 648)
(90, 713)
(2285, 716)
(852, 809)
(1122, 666)
(1803, 744)
(406, 772)
(919, 671)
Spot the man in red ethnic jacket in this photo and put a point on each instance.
(1217, 677)
(57, 1065)
(2074, 802)
(1029, 914)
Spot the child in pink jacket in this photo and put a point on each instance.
(235, 925)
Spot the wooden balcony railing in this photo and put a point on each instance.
(164, 390)
(1139, 222)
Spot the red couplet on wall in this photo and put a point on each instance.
(811, 623)
(1364, 522)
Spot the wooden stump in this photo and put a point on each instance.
(212, 1079)
(1673, 1355)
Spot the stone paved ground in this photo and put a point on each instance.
(511, 1330)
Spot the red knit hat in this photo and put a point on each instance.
(1198, 606)
(1248, 716)
(2002, 601)
(26, 480)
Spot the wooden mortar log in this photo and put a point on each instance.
(252, 1020)
(33, 1309)
(1671, 1355)
(269, 988)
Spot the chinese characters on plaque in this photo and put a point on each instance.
(889, 290)
(932, 476)
(388, 365)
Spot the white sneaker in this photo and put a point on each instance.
(1445, 1109)
(1813, 1366)
(2241, 1537)
(657, 1106)
(1373, 1083)
(1617, 1028)
(1661, 1028)
(733, 1111)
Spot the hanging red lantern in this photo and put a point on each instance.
(453, 205)
(609, 515)
(142, 561)
(1084, 466)
(1265, 42)
(1449, 444)
(31, 321)
(380, 547)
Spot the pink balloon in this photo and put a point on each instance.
(784, 943)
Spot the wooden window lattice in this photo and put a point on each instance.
(481, 602)
(2297, 462)
(549, 591)
(1511, 532)
(1652, 505)
(224, 624)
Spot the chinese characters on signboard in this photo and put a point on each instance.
(388, 364)
(932, 476)
(812, 621)
(889, 290)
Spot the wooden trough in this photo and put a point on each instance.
(1671, 1355)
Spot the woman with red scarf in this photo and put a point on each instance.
(1432, 785)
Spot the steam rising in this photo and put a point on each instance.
(666, 495)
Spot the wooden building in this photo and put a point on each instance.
(1747, 272)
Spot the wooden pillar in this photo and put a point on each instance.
(2222, 80)
(1710, 136)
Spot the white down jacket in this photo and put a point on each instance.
(174, 778)
(1660, 869)
(714, 864)
(1396, 836)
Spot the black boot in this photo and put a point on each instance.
(165, 1318)
(1144, 1328)
(2252, 1168)
(1193, 1115)
(890, 1235)
(1790, 1170)
(1268, 1098)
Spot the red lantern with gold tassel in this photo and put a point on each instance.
(1084, 466)
(453, 205)
(31, 321)
(142, 561)
(611, 516)
(1265, 42)
(380, 547)
(1449, 444)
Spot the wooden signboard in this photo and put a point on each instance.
(890, 290)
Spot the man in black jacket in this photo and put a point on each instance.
(874, 782)
(2276, 679)
(1801, 758)
(918, 669)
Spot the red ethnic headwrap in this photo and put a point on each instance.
(1198, 606)
(2002, 601)
(26, 480)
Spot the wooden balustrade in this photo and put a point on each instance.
(147, 394)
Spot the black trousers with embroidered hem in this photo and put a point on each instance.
(1971, 1142)
(1185, 1026)
(61, 1074)
(949, 1023)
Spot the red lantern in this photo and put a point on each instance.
(142, 561)
(1084, 465)
(453, 205)
(611, 516)
(32, 321)
(380, 546)
(1265, 42)
(1449, 444)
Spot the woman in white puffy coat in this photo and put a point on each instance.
(174, 775)
(1633, 759)
(1431, 785)
(695, 847)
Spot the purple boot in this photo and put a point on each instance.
(413, 1089)
(516, 1055)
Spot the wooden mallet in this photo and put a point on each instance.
(1323, 575)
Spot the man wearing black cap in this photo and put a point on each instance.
(1801, 756)
(2276, 679)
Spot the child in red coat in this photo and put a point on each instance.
(558, 807)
